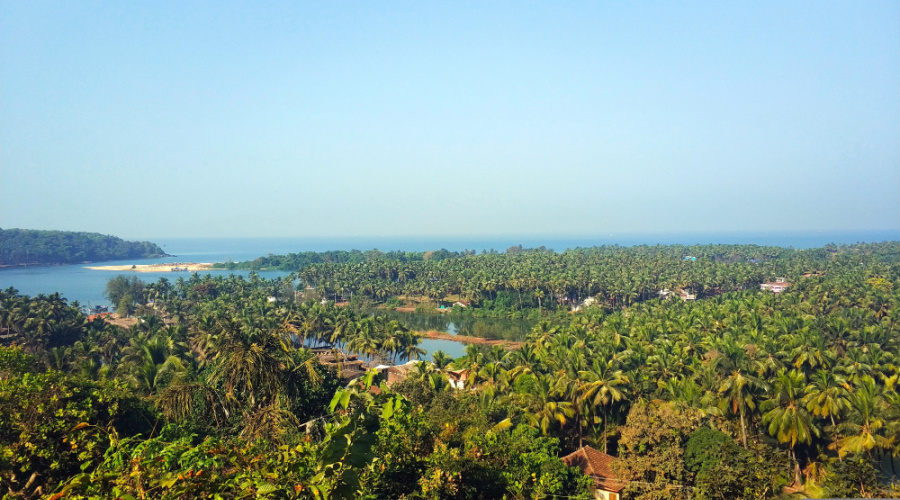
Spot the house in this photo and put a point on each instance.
(778, 286)
(348, 366)
(586, 303)
(396, 373)
(458, 378)
(665, 294)
(598, 466)
(687, 295)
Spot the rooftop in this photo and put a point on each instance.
(597, 465)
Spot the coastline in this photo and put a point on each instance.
(57, 264)
(190, 267)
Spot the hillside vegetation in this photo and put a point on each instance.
(30, 246)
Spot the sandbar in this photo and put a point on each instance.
(465, 339)
(158, 268)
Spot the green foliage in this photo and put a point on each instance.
(651, 451)
(41, 322)
(517, 282)
(14, 362)
(297, 261)
(28, 246)
(124, 292)
(174, 466)
(55, 425)
(214, 468)
(722, 469)
(685, 393)
(852, 478)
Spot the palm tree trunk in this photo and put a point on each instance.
(743, 430)
(605, 426)
(580, 434)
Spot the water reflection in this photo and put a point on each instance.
(486, 328)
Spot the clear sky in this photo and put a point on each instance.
(186, 118)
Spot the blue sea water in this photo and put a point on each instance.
(76, 282)
(249, 248)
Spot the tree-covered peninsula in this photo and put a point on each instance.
(523, 282)
(20, 247)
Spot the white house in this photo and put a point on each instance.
(778, 286)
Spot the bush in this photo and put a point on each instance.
(855, 476)
(54, 425)
(722, 469)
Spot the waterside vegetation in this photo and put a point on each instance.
(33, 247)
(527, 283)
(742, 393)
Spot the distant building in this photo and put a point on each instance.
(598, 466)
(348, 366)
(778, 286)
(687, 295)
(665, 294)
(458, 378)
(92, 317)
(397, 373)
(586, 303)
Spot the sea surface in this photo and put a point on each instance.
(76, 282)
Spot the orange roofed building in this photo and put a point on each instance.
(598, 466)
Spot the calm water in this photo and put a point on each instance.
(249, 248)
(87, 286)
(486, 328)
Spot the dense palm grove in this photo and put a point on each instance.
(740, 394)
(525, 282)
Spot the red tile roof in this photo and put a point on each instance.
(596, 464)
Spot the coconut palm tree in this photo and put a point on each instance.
(867, 427)
(787, 418)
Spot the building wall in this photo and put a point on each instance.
(605, 495)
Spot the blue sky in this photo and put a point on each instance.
(174, 119)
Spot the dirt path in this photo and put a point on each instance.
(506, 344)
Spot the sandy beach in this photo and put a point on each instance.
(158, 268)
